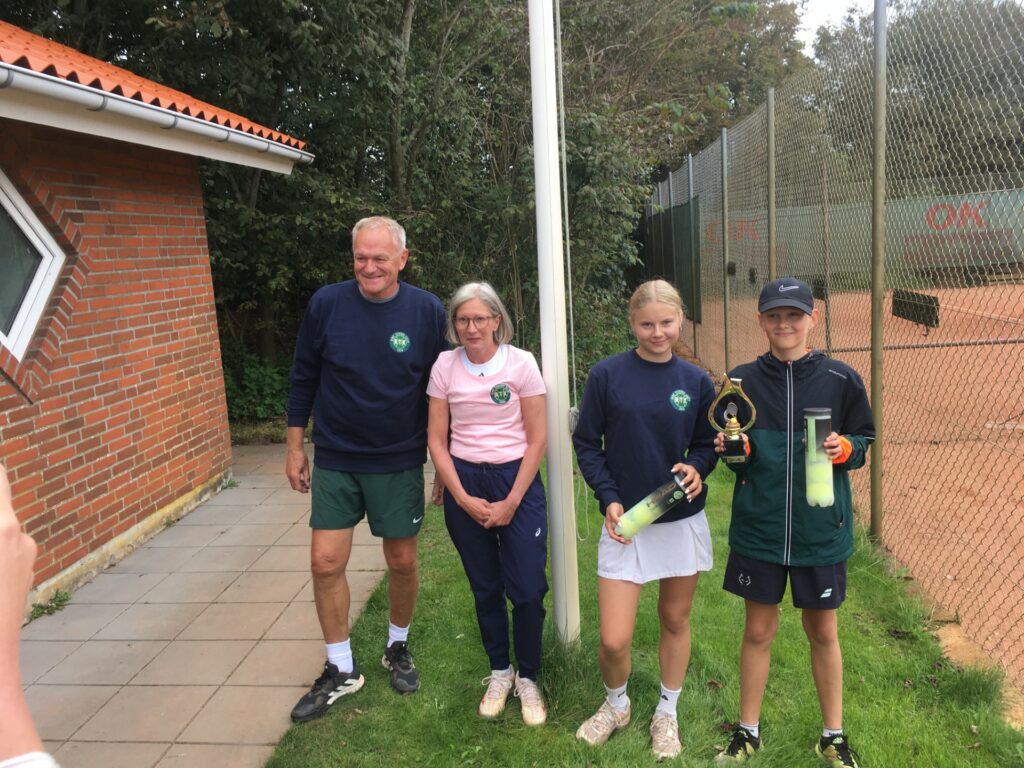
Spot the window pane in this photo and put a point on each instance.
(18, 264)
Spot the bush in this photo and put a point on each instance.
(256, 390)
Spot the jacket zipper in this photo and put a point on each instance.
(788, 546)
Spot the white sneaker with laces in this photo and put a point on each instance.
(498, 688)
(534, 711)
(606, 721)
(665, 742)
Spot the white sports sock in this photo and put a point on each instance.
(828, 733)
(754, 730)
(340, 655)
(397, 634)
(617, 698)
(667, 701)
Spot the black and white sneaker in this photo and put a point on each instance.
(328, 688)
(405, 678)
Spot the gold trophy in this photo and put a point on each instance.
(734, 451)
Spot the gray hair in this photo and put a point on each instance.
(396, 230)
(486, 293)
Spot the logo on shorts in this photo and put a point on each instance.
(501, 394)
(744, 579)
(826, 594)
(400, 342)
(536, 534)
(417, 519)
(680, 400)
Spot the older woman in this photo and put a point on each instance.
(489, 396)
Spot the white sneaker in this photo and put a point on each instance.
(498, 689)
(606, 721)
(665, 742)
(534, 711)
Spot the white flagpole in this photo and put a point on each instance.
(554, 347)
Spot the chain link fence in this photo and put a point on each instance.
(953, 330)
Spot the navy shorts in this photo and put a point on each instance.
(819, 587)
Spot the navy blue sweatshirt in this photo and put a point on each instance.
(639, 418)
(361, 368)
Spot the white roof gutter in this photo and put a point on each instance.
(46, 100)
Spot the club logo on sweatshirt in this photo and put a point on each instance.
(680, 400)
(501, 394)
(400, 341)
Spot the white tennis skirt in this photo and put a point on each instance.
(660, 551)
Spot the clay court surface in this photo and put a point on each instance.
(953, 483)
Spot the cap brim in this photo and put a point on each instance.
(785, 302)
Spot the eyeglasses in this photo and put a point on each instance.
(478, 322)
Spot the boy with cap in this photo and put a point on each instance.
(774, 534)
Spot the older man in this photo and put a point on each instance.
(362, 363)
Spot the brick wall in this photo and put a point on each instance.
(117, 409)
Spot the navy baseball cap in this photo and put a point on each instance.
(786, 292)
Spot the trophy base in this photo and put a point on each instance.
(735, 452)
(734, 459)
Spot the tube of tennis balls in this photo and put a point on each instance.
(651, 507)
(817, 465)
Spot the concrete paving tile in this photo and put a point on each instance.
(361, 534)
(221, 516)
(239, 497)
(276, 513)
(283, 559)
(297, 622)
(151, 621)
(274, 481)
(215, 756)
(60, 710)
(233, 621)
(366, 557)
(280, 662)
(244, 715)
(264, 587)
(90, 754)
(250, 535)
(285, 495)
(75, 622)
(37, 657)
(118, 587)
(297, 535)
(103, 662)
(215, 559)
(190, 587)
(146, 713)
(186, 536)
(194, 662)
(361, 584)
(305, 594)
(155, 560)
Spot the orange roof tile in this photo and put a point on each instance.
(20, 48)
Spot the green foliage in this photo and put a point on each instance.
(56, 603)
(256, 390)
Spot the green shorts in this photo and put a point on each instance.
(393, 503)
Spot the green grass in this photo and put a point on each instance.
(904, 704)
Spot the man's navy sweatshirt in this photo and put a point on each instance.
(361, 368)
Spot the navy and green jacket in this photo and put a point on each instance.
(771, 520)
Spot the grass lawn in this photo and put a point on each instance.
(904, 704)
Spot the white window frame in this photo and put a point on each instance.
(32, 306)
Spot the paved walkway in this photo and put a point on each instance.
(193, 649)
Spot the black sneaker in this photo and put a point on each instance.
(743, 745)
(405, 678)
(835, 750)
(328, 688)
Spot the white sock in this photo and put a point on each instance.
(667, 701)
(510, 672)
(397, 634)
(828, 733)
(340, 655)
(617, 698)
(754, 730)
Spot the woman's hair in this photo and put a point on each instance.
(654, 292)
(486, 293)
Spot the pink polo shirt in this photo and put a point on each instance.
(486, 420)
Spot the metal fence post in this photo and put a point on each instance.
(693, 254)
(773, 266)
(878, 263)
(671, 234)
(725, 241)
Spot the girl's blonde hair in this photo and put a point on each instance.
(654, 292)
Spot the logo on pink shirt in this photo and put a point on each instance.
(501, 394)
